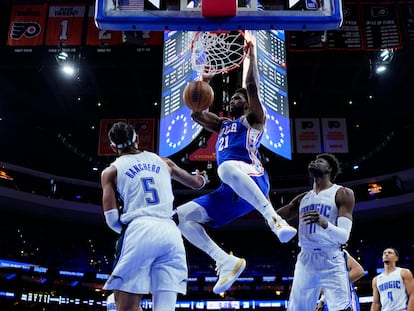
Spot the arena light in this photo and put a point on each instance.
(374, 189)
(68, 62)
(69, 69)
(386, 55)
(62, 56)
(267, 279)
(4, 175)
(381, 61)
(380, 69)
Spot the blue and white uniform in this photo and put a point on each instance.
(321, 262)
(237, 143)
(355, 301)
(152, 255)
(392, 291)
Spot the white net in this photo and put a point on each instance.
(217, 52)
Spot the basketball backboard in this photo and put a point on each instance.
(160, 15)
(177, 128)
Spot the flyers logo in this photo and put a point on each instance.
(346, 12)
(379, 11)
(25, 29)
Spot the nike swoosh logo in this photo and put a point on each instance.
(236, 268)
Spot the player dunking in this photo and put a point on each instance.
(245, 183)
(325, 222)
(151, 256)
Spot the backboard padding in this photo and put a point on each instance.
(327, 17)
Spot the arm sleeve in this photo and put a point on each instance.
(342, 231)
(112, 220)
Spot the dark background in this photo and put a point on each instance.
(44, 127)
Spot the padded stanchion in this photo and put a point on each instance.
(218, 8)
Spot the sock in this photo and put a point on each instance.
(191, 216)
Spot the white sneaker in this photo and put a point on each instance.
(282, 229)
(228, 272)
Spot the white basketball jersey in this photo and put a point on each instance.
(144, 185)
(393, 294)
(313, 235)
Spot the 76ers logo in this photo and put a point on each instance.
(24, 29)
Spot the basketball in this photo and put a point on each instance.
(198, 95)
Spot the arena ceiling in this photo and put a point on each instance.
(45, 127)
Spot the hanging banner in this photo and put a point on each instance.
(27, 25)
(349, 35)
(335, 137)
(367, 26)
(308, 136)
(208, 153)
(298, 41)
(406, 11)
(104, 148)
(143, 38)
(101, 38)
(65, 25)
(381, 25)
(145, 129)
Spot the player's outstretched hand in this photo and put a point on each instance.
(202, 173)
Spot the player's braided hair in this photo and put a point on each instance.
(122, 135)
(333, 163)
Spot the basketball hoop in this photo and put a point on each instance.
(217, 52)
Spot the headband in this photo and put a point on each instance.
(126, 144)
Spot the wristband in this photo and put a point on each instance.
(204, 182)
(322, 299)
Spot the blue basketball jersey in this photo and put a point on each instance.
(238, 141)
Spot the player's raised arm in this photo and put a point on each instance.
(257, 113)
